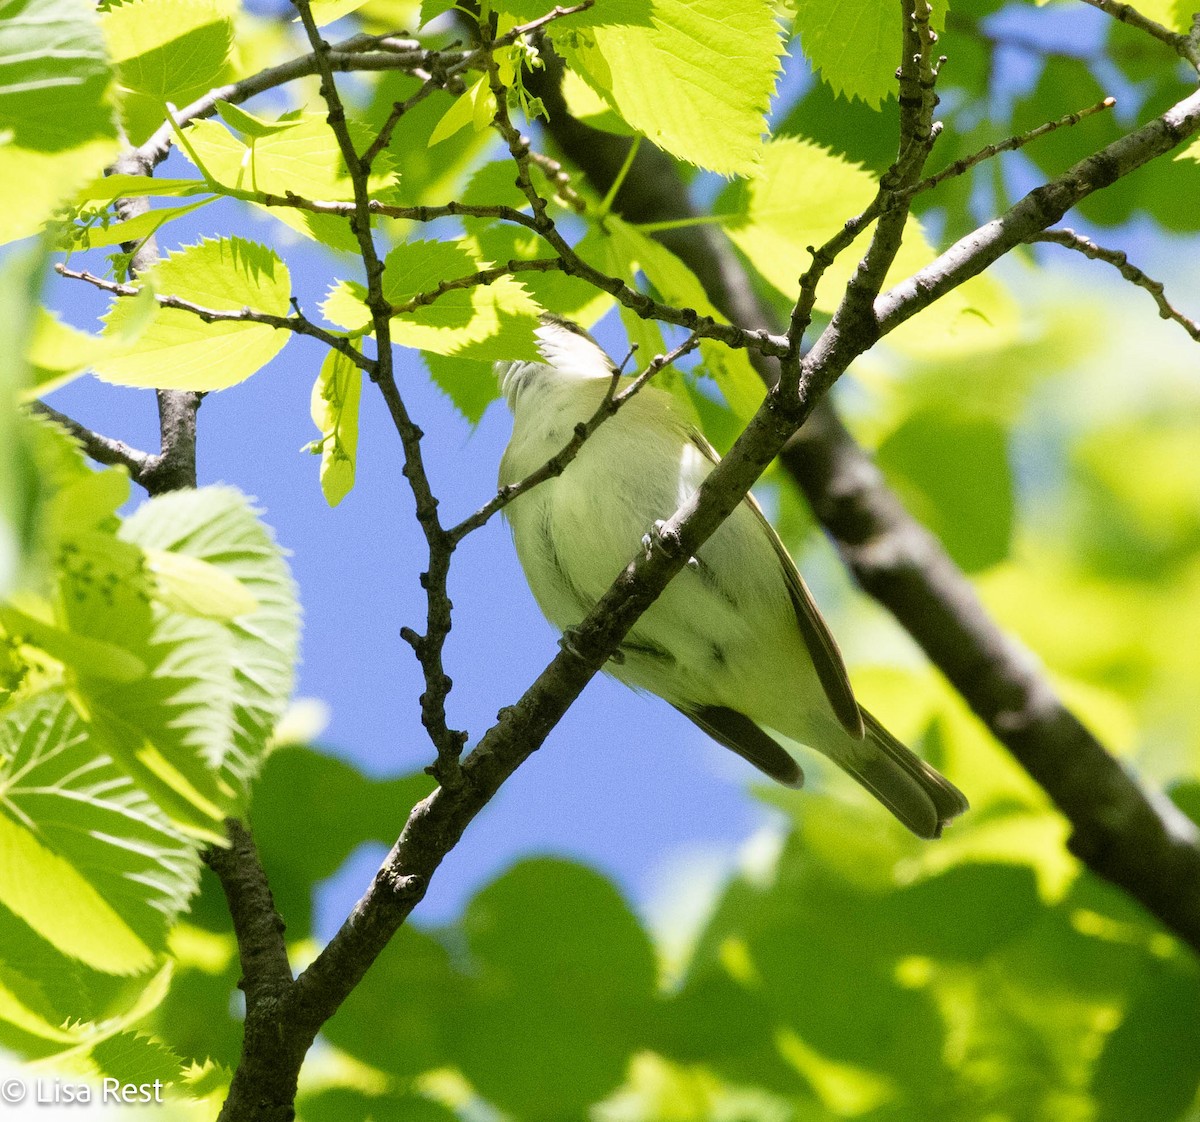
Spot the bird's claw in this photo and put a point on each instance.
(567, 642)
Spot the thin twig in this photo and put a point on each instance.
(1011, 144)
(398, 110)
(428, 648)
(557, 464)
(1182, 45)
(296, 323)
(561, 178)
(476, 280)
(1119, 261)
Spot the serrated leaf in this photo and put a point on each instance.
(133, 1057)
(471, 385)
(55, 116)
(178, 350)
(485, 323)
(218, 525)
(334, 409)
(695, 76)
(856, 44)
(187, 584)
(297, 153)
(165, 51)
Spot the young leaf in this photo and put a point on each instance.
(856, 44)
(55, 113)
(334, 408)
(218, 525)
(476, 105)
(178, 350)
(695, 76)
(165, 51)
(73, 870)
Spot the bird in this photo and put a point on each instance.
(735, 641)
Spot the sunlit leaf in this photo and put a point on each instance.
(696, 78)
(178, 350)
(56, 124)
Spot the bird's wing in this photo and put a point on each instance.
(741, 735)
(827, 659)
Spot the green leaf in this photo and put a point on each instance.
(1150, 1066)
(133, 1057)
(92, 657)
(165, 51)
(742, 388)
(178, 350)
(194, 587)
(800, 196)
(18, 476)
(218, 526)
(477, 104)
(135, 229)
(856, 44)
(303, 831)
(954, 472)
(334, 410)
(403, 1038)
(91, 864)
(109, 187)
(297, 154)
(694, 76)
(564, 981)
(54, 110)
(471, 385)
(484, 322)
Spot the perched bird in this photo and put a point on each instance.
(734, 642)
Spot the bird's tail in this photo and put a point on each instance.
(922, 798)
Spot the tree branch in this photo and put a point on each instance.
(1119, 261)
(1139, 842)
(557, 463)
(102, 449)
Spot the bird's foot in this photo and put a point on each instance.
(567, 642)
(655, 539)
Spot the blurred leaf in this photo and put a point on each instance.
(55, 116)
(165, 51)
(954, 473)
(1150, 1066)
(563, 982)
(93, 865)
(399, 1017)
(303, 831)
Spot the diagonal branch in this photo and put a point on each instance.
(1120, 261)
(1141, 843)
(557, 463)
